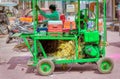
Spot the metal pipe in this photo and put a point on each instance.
(35, 15)
(105, 33)
(97, 14)
(78, 26)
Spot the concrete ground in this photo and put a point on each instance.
(13, 64)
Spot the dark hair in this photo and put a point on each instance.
(52, 7)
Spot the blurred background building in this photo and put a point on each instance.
(112, 6)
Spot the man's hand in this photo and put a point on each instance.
(37, 7)
(40, 22)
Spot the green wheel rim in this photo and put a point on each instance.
(106, 66)
(45, 67)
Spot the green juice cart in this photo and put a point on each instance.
(93, 42)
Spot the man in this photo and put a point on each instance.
(54, 15)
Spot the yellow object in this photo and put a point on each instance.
(26, 19)
(66, 49)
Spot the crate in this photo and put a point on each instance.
(55, 26)
(69, 25)
(42, 31)
(92, 36)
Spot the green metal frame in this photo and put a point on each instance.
(35, 36)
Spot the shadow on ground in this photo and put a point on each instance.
(19, 60)
(76, 68)
(22, 60)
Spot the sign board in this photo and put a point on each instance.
(70, 8)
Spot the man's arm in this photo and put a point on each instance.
(50, 15)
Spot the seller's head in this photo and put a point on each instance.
(52, 7)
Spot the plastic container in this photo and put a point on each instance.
(91, 36)
(42, 31)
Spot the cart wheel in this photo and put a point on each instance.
(45, 67)
(105, 65)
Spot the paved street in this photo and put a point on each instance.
(13, 64)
